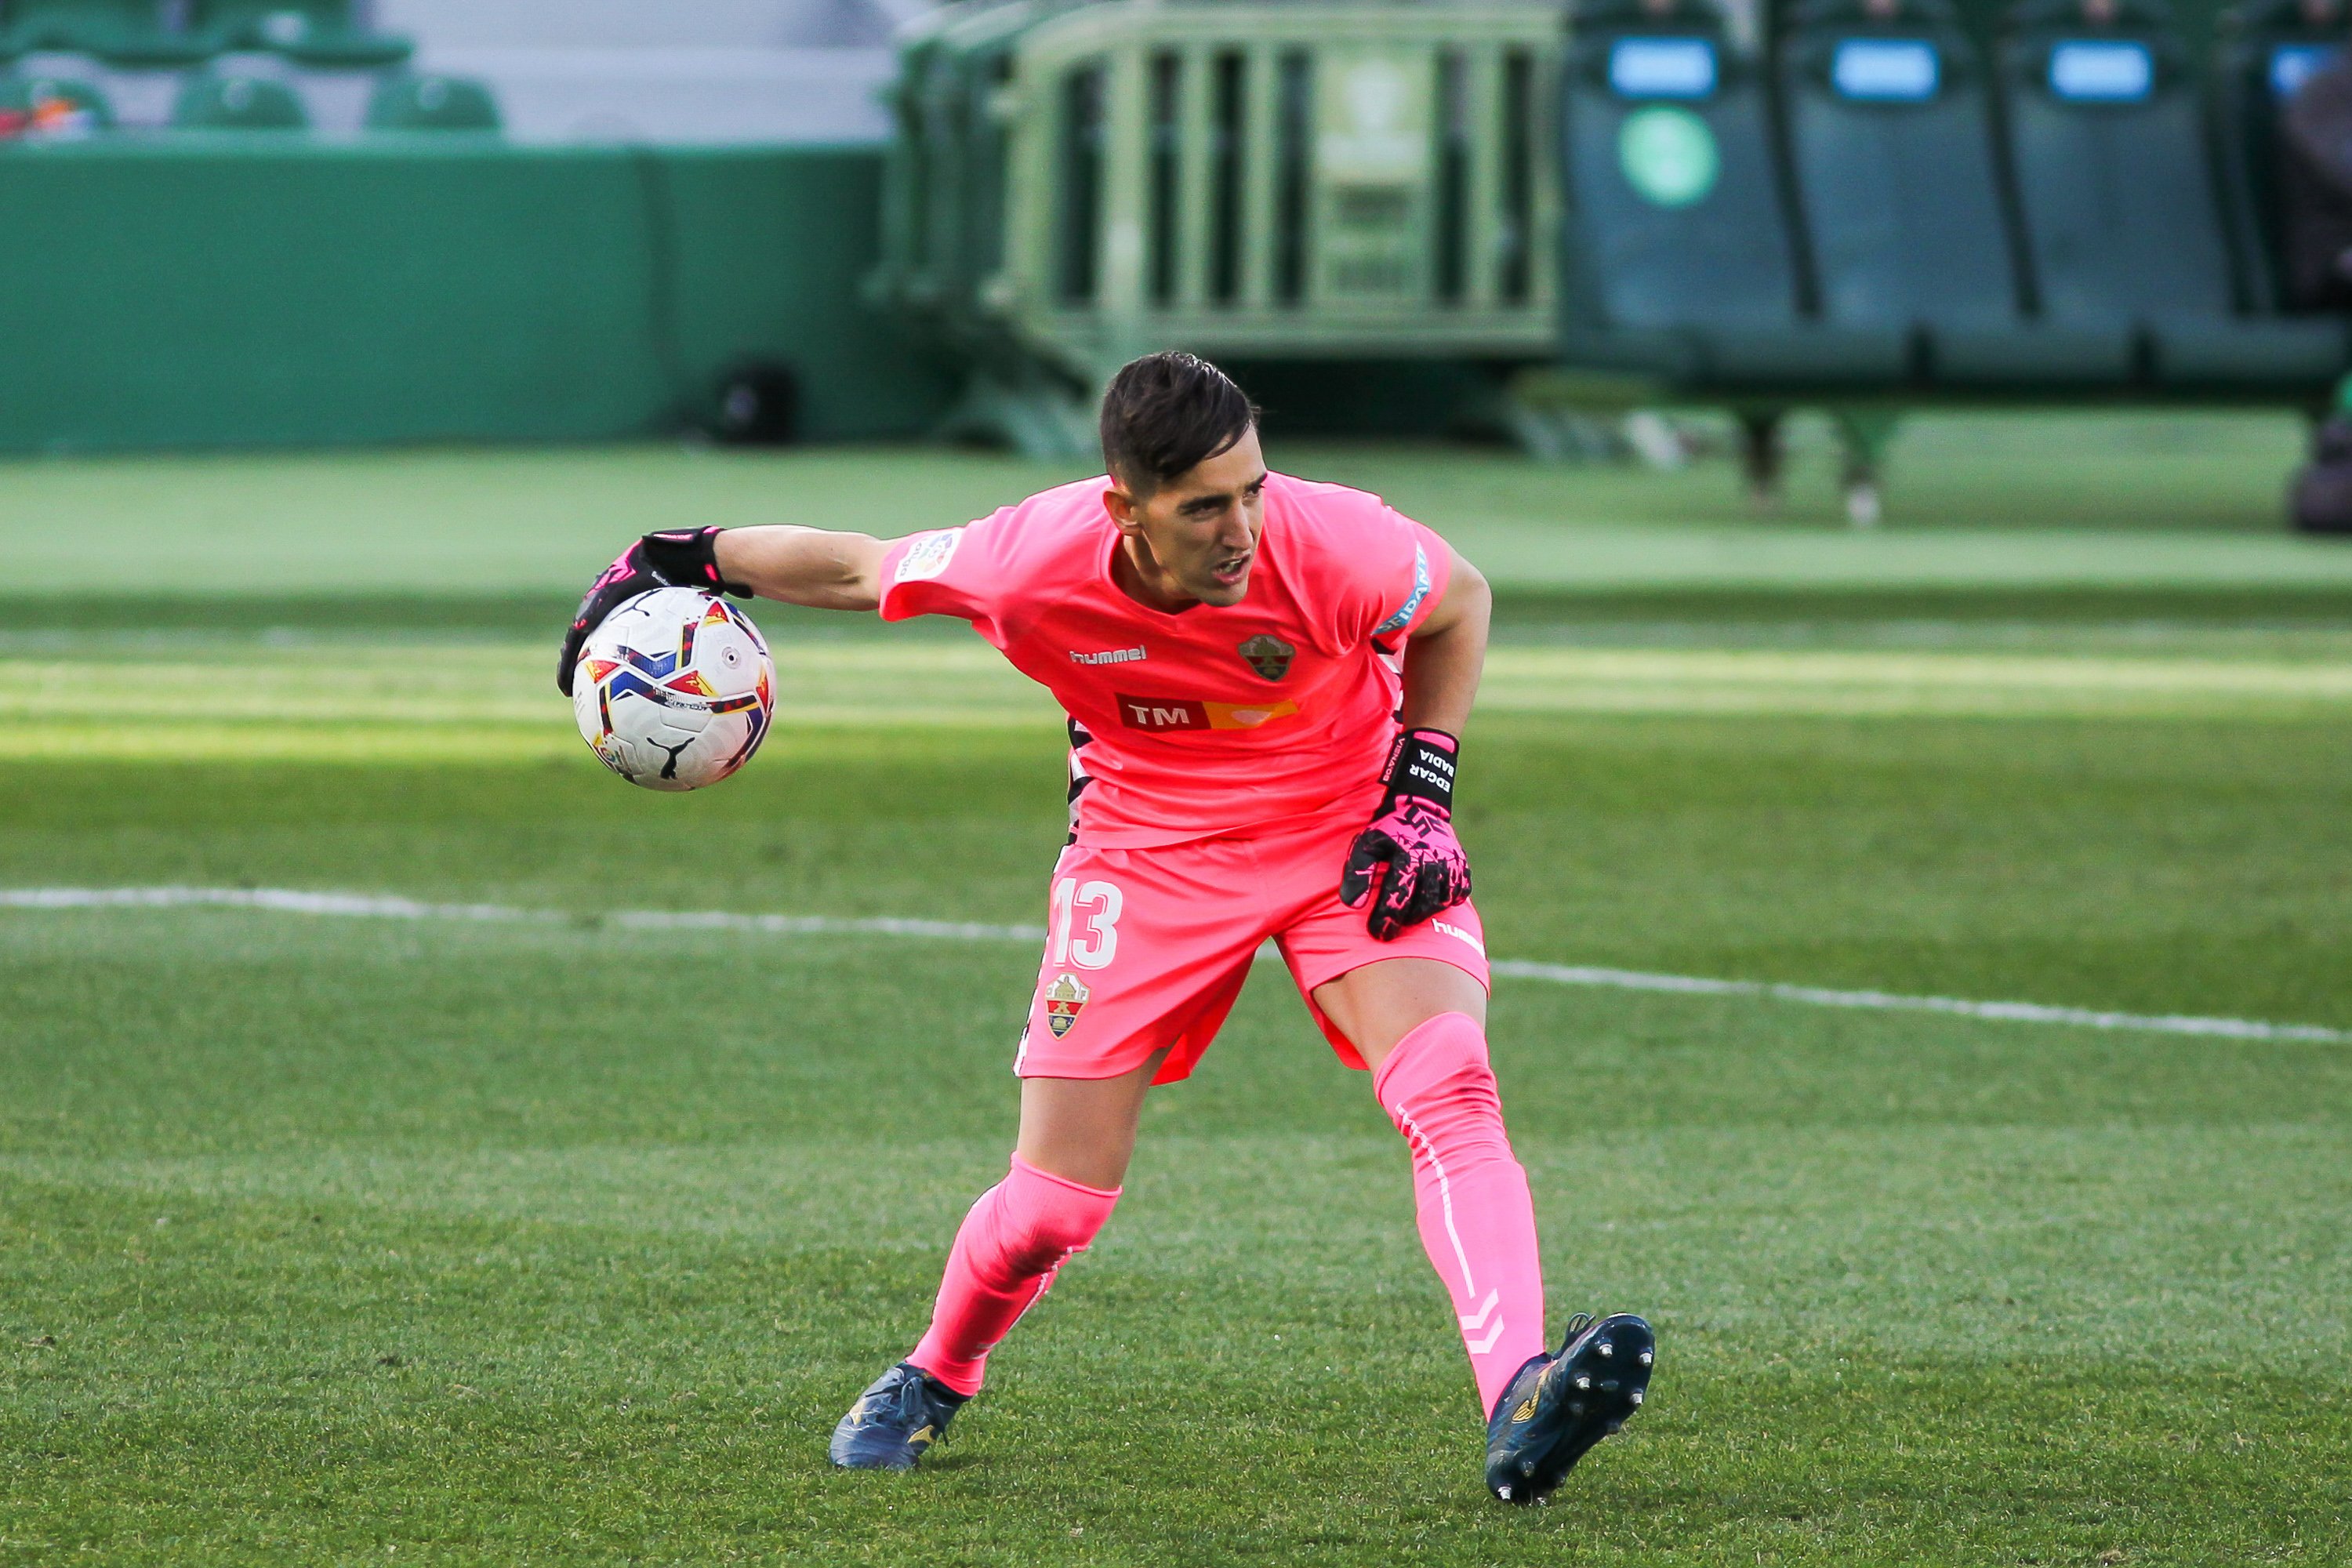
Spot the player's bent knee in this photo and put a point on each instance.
(1441, 1068)
(1043, 1219)
(1381, 1005)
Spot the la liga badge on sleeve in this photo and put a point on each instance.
(1065, 999)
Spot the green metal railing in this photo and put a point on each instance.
(1073, 186)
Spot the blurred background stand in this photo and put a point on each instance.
(319, 221)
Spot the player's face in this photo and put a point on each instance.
(1197, 534)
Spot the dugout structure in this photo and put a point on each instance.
(1282, 188)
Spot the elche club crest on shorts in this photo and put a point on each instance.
(1268, 655)
(1065, 999)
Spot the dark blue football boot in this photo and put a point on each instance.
(902, 1413)
(1557, 1406)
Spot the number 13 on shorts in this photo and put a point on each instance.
(1085, 923)
(1081, 936)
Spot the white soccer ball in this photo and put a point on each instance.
(675, 690)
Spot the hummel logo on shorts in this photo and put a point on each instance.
(1448, 928)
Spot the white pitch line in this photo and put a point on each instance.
(2004, 1012)
(282, 900)
(291, 901)
(826, 925)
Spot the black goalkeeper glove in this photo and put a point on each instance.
(1408, 865)
(674, 558)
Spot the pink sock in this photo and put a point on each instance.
(1012, 1242)
(1477, 1221)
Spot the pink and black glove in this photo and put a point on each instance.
(1408, 863)
(673, 558)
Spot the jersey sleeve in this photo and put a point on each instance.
(1394, 575)
(961, 572)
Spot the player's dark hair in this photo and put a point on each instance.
(1167, 412)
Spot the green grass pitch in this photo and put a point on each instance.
(360, 1240)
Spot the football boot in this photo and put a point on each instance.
(1556, 1406)
(904, 1412)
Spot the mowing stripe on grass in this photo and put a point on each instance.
(286, 900)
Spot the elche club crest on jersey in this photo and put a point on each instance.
(1065, 999)
(1268, 655)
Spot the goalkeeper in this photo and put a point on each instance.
(1265, 679)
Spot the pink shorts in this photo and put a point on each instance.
(1146, 948)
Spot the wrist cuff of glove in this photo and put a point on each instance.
(688, 558)
(1421, 767)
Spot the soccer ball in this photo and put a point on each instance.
(674, 689)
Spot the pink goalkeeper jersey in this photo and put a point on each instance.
(1211, 720)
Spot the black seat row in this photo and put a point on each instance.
(1879, 208)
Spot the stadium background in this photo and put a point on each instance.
(414, 1144)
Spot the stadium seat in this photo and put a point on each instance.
(126, 33)
(408, 102)
(2267, 49)
(2115, 193)
(1891, 145)
(224, 101)
(46, 105)
(309, 32)
(1680, 261)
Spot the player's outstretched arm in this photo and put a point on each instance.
(797, 565)
(1408, 865)
(809, 566)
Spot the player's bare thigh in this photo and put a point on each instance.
(1083, 1128)
(1378, 1004)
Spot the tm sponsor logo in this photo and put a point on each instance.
(1190, 713)
(1110, 656)
(1163, 714)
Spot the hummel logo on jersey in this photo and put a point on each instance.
(1111, 656)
